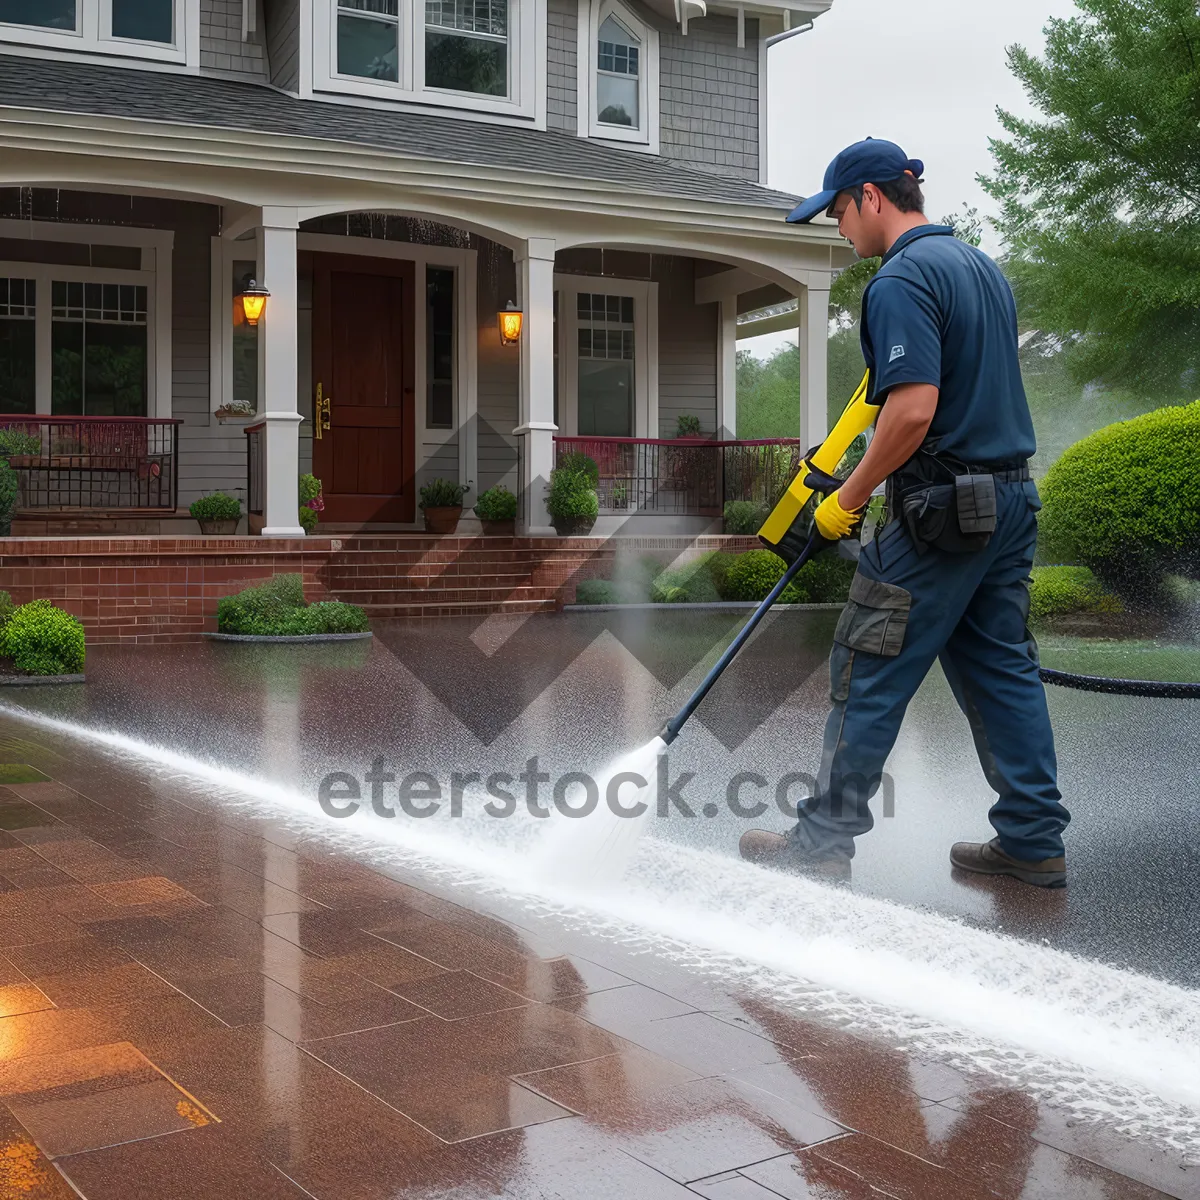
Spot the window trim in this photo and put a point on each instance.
(156, 246)
(645, 348)
(89, 38)
(646, 136)
(527, 33)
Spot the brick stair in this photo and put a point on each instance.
(404, 576)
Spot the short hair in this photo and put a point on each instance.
(905, 193)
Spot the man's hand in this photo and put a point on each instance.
(833, 522)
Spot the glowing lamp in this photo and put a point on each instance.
(510, 322)
(254, 299)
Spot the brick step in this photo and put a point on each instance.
(424, 542)
(368, 562)
(420, 577)
(367, 570)
(465, 595)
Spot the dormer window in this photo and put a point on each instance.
(618, 75)
(479, 54)
(163, 30)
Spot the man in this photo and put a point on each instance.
(948, 577)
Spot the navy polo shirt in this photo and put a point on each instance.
(939, 311)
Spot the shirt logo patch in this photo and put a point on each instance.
(897, 352)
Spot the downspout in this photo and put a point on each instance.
(776, 38)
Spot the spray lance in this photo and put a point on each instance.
(783, 532)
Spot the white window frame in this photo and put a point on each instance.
(156, 246)
(225, 252)
(645, 348)
(645, 137)
(92, 36)
(526, 63)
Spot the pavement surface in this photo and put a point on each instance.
(203, 1003)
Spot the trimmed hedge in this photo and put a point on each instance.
(10, 491)
(277, 609)
(7, 608)
(42, 639)
(744, 517)
(824, 580)
(1059, 591)
(1125, 501)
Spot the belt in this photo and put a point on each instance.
(1009, 474)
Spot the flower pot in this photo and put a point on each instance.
(19, 461)
(573, 526)
(442, 519)
(215, 528)
(506, 528)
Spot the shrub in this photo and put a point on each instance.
(826, 578)
(744, 516)
(717, 563)
(17, 441)
(1125, 501)
(597, 591)
(9, 493)
(6, 610)
(753, 574)
(312, 502)
(576, 462)
(1058, 591)
(496, 504)
(217, 507)
(43, 640)
(572, 494)
(694, 580)
(442, 493)
(687, 425)
(277, 609)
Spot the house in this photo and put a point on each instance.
(394, 176)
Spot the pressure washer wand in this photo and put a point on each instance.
(670, 731)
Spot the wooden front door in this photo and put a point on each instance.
(363, 325)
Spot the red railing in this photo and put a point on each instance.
(93, 462)
(686, 476)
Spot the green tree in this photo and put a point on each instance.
(1099, 194)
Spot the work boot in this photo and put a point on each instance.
(986, 858)
(776, 850)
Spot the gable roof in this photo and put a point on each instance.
(84, 88)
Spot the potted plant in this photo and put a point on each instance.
(687, 429)
(572, 502)
(441, 504)
(18, 447)
(497, 511)
(312, 502)
(217, 513)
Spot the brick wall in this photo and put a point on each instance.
(709, 96)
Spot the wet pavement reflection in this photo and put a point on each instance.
(199, 1003)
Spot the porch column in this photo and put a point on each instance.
(535, 278)
(727, 367)
(814, 358)
(278, 353)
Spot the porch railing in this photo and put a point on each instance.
(255, 475)
(685, 477)
(94, 462)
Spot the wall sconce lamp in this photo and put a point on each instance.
(510, 321)
(254, 299)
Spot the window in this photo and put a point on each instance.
(368, 39)
(606, 356)
(18, 345)
(439, 355)
(466, 46)
(99, 349)
(618, 75)
(479, 54)
(132, 28)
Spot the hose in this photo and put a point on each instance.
(1122, 687)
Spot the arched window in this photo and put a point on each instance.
(619, 87)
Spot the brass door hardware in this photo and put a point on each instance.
(321, 414)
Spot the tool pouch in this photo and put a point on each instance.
(957, 518)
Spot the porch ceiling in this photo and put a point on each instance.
(150, 96)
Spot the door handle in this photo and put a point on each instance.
(321, 414)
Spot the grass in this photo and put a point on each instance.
(21, 773)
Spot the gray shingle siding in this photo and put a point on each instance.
(562, 55)
(222, 50)
(283, 42)
(709, 97)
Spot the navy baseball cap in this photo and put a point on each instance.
(869, 161)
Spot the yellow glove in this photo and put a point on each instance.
(833, 522)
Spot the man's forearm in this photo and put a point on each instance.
(899, 432)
